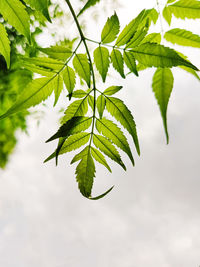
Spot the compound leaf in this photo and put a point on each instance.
(4, 45)
(118, 62)
(82, 67)
(101, 60)
(110, 30)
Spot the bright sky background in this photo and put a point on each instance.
(151, 218)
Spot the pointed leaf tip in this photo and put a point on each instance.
(102, 195)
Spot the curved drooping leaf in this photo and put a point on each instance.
(88, 4)
(114, 134)
(111, 90)
(69, 78)
(44, 62)
(102, 195)
(75, 109)
(118, 62)
(99, 157)
(73, 142)
(4, 45)
(72, 126)
(58, 87)
(119, 110)
(57, 52)
(110, 30)
(35, 92)
(129, 60)
(101, 104)
(37, 69)
(151, 54)
(162, 87)
(108, 149)
(40, 5)
(101, 60)
(14, 12)
(82, 67)
(182, 37)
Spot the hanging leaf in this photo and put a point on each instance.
(101, 104)
(99, 157)
(69, 79)
(118, 62)
(77, 108)
(82, 67)
(114, 134)
(162, 87)
(88, 5)
(58, 87)
(118, 109)
(14, 12)
(4, 45)
(110, 30)
(108, 149)
(44, 62)
(182, 37)
(91, 101)
(151, 54)
(112, 90)
(40, 5)
(101, 60)
(138, 36)
(57, 52)
(36, 69)
(129, 60)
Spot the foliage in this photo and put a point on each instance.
(85, 123)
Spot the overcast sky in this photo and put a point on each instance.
(152, 216)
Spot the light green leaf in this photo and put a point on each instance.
(108, 149)
(118, 62)
(57, 52)
(119, 110)
(129, 60)
(101, 104)
(152, 38)
(4, 45)
(77, 108)
(114, 134)
(79, 94)
(138, 36)
(58, 87)
(167, 14)
(112, 90)
(88, 4)
(162, 87)
(99, 157)
(36, 69)
(14, 12)
(110, 30)
(44, 62)
(81, 155)
(35, 92)
(151, 54)
(69, 78)
(191, 71)
(82, 67)
(91, 101)
(130, 29)
(182, 37)
(73, 142)
(40, 5)
(85, 173)
(101, 60)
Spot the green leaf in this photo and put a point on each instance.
(40, 5)
(129, 60)
(85, 173)
(73, 142)
(4, 45)
(162, 87)
(114, 134)
(80, 155)
(77, 108)
(79, 94)
(101, 104)
(152, 38)
(82, 67)
(58, 87)
(167, 14)
(72, 126)
(108, 149)
(99, 157)
(182, 37)
(138, 36)
(69, 78)
(110, 30)
(14, 12)
(91, 101)
(101, 60)
(151, 54)
(118, 109)
(102, 195)
(57, 52)
(36, 69)
(130, 29)
(112, 90)
(88, 5)
(191, 71)
(44, 62)
(35, 92)
(118, 62)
